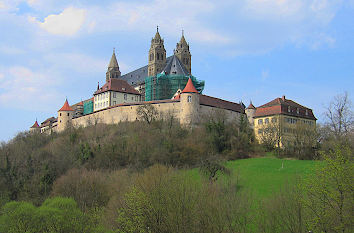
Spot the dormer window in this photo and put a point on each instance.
(297, 110)
(289, 109)
(123, 88)
(307, 112)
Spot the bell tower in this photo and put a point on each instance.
(157, 55)
(183, 53)
(113, 68)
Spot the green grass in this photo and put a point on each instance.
(265, 176)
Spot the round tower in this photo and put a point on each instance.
(189, 99)
(65, 115)
(35, 128)
(250, 111)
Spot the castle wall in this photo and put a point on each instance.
(208, 111)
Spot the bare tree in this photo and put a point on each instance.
(339, 115)
(147, 113)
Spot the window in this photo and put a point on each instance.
(59, 114)
(260, 121)
(125, 96)
(68, 114)
(267, 121)
(289, 109)
(297, 110)
(114, 95)
(158, 56)
(189, 99)
(260, 131)
(306, 112)
(132, 98)
(274, 120)
(114, 102)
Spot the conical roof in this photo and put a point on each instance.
(157, 35)
(81, 103)
(189, 87)
(113, 63)
(251, 106)
(35, 125)
(66, 107)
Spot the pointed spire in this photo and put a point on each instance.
(66, 107)
(251, 106)
(183, 40)
(113, 63)
(157, 35)
(98, 86)
(190, 87)
(35, 125)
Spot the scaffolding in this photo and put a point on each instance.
(163, 86)
(88, 107)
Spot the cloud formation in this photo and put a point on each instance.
(67, 23)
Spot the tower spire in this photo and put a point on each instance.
(113, 67)
(157, 28)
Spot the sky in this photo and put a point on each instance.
(245, 50)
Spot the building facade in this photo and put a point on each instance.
(280, 121)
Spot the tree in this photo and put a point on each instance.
(339, 115)
(147, 113)
(270, 135)
(329, 193)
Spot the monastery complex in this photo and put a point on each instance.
(167, 84)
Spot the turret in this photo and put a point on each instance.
(35, 128)
(157, 55)
(250, 111)
(189, 99)
(183, 53)
(113, 68)
(65, 115)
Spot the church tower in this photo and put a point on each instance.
(183, 53)
(157, 55)
(113, 68)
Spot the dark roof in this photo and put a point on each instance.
(48, 121)
(175, 66)
(219, 103)
(138, 76)
(118, 85)
(281, 106)
(251, 106)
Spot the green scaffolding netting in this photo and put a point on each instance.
(164, 86)
(88, 107)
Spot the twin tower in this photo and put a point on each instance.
(157, 54)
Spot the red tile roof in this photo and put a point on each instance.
(251, 106)
(177, 97)
(66, 107)
(35, 125)
(119, 85)
(281, 106)
(189, 88)
(81, 103)
(219, 103)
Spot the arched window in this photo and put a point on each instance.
(158, 57)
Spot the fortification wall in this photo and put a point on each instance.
(126, 113)
(208, 111)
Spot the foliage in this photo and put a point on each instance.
(147, 113)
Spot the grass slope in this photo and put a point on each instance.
(264, 176)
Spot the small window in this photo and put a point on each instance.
(189, 99)
(114, 102)
(123, 88)
(289, 109)
(260, 121)
(297, 110)
(59, 114)
(125, 96)
(114, 95)
(306, 112)
(260, 131)
(267, 121)
(274, 120)
(68, 114)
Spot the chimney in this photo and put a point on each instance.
(283, 97)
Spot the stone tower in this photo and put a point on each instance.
(189, 100)
(183, 53)
(65, 115)
(250, 111)
(113, 68)
(157, 55)
(35, 128)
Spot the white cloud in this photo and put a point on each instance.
(67, 23)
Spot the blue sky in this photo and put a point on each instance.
(244, 49)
